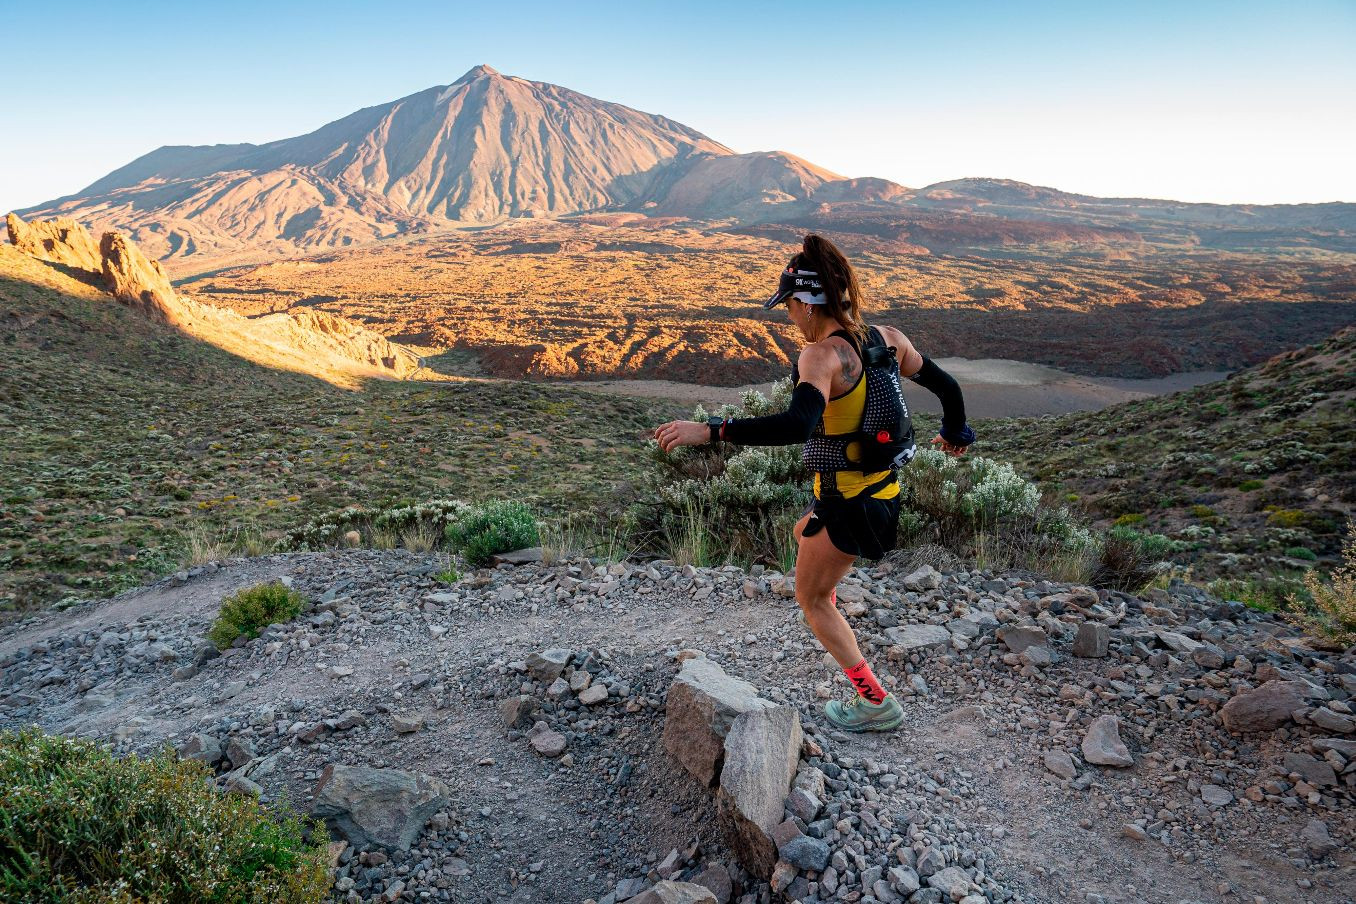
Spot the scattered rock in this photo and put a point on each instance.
(545, 741)
(547, 665)
(1102, 743)
(1092, 640)
(669, 892)
(1264, 708)
(369, 806)
(1060, 763)
(915, 638)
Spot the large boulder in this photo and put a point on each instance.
(668, 892)
(762, 751)
(369, 806)
(703, 704)
(1263, 708)
(1018, 637)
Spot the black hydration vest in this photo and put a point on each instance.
(885, 438)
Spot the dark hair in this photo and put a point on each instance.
(840, 283)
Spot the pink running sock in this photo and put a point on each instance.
(865, 682)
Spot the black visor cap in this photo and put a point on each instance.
(794, 281)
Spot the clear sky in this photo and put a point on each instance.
(1194, 100)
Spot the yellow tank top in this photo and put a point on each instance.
(843, 414)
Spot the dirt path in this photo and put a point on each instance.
(387, 640)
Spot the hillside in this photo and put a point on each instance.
(125, 439)
(1253, 476)
(305, 341)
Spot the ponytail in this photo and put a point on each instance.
(840, 283)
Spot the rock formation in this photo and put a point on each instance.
(138, 282)
(61, 241)
(307, 339)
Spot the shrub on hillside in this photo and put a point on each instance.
(978, 507)
(78, 824)
(379, 526)
(494, 527)
(718, 503)
(247, 612)
(1129, 559)
(1333, 615)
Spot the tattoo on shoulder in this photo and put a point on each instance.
(849, 363)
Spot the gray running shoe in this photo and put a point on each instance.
(859, 715)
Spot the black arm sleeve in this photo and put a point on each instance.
(794, 425)
(948, 391)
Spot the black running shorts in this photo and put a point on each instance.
(861, 526)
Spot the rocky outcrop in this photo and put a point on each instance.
(762, 751)
(367, 806)
(140, 283)
(61, 241)
(307, 339)
(746, 747)
(326, 334)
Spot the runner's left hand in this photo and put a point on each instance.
(681, 433)
(949, 448)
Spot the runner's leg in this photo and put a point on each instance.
(819, 567)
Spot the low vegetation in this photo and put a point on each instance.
(495, 527)
(247, 612)
(78, 824)
(1332, 612)
(1250, 478)
(132, 451)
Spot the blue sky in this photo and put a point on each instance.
(1198, 101)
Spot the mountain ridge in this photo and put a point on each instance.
(489, 148)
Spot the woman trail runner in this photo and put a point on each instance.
(847, 409)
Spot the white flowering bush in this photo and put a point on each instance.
(327, 530)
(1282, 456)
(983, 509)
(722, 502)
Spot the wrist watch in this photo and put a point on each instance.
(715, 424)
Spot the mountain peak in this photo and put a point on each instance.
(476, 72)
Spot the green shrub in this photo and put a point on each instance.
(1332, 615)
(1130, 559)
(494, 527)
(1248, 486)
(1129, 518)
(78, 824)
(251, 610)
(713, 504)
(1288, 517)
(1204, 512)
(1265, 592)
(1301, 552)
